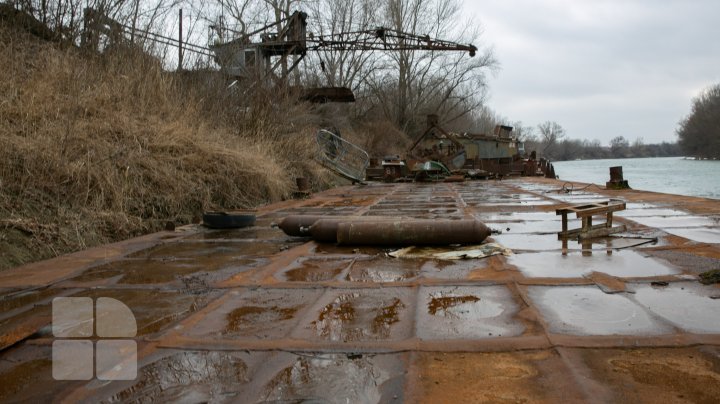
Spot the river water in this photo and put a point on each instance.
(672, 175)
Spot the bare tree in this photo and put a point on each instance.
(550, 133)
(415, 83)
(348, 68)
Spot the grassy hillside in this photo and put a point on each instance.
(101, 148)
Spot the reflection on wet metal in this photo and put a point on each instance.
(624, 264)
(217, 249)
(444, 269)
(263, 313)
(243, 317)
(331, 378)
(153, 271)
(530, 242)
(586, 310)
(315, 270)
(383, 270)
(686, 305)
(189, 377)
(466, 312)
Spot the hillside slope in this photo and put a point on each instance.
(101, 148)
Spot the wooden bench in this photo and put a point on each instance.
(585, 212)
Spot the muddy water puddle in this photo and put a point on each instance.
(314, 270)
(625, 263)
(586, 310)
(335, 378)
(686, 305)
(382, 270)
(361, 315)
(466, 313)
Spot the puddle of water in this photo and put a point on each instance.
(687, 305)
(216, 249)
(517, 216)
(153, 310)
(333, 378)
(360, 316)
(623, 264)
(466, 312)
(207, 376)
(586, 310)
(536, 226)
(332, 249)
(445, 269)
(255, 314)
(15, 300)
(532, 242)
(153, 271)
(382, 270)
(669, 222)
(26, 374)
(251, 233)
(644, 212)
(701, 235)
(315, 270)
(243, 317)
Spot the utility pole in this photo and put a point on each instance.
(180, 43)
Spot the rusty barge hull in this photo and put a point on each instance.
(254, 315)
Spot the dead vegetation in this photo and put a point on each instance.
(102, 148)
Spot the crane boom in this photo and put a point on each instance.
(384, 39)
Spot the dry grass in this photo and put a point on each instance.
(97, 149)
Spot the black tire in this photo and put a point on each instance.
(222, 220)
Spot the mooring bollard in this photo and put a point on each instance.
(616, 179)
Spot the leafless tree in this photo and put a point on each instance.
(550, 133)
(418, 82)
(349, 68)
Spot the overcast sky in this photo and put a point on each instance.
(601, 68)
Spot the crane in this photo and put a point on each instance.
(240, 57)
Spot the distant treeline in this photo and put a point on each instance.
(571, 149)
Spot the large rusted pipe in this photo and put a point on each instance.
(325, 230)
(412, 232)
(299, 225)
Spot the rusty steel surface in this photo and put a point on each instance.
(256, 315)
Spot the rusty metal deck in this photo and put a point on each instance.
(253, 315)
